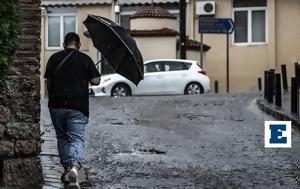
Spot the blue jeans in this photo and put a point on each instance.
(69, 127)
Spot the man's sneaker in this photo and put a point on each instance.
(73, 179)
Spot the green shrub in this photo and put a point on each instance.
(9, 30)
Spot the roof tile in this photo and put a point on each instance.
(153, 33)
(130, 2)
(153, 12)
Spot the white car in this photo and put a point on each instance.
(162, 76)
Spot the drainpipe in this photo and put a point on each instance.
(182, 39)
(117, 10)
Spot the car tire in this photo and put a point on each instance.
(193, 88)
(120, 90)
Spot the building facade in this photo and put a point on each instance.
(267, 34)
(154, 25)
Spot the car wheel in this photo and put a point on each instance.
(120, 90)
(193, 89)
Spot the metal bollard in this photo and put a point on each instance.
(278, 90)
(273, 74)
(266, 85)
(298, 74)
(259, 84)
(296, 65)
(271, 87)
(216, 87)
(294, 96)
(284, 78)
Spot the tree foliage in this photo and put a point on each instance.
(9, 28)
(9, 31)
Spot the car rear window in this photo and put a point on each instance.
(176, 66)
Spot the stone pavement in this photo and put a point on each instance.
(49, 154)
(283, 113)
(50, 160)
(182, 142)
(186, 142)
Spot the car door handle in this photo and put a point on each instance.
(158, 76)
(184, 75)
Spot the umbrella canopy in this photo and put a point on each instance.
(117, 46)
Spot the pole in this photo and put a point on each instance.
(266, 87)
(227, 62)
(216, 87)
(298, 74)
(278, 90)
(294, 96)
(271, 86)
(296, 65)
(259, 84)
(182, 15)
(201, 50)
(284, 78)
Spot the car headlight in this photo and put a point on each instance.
(91, 92)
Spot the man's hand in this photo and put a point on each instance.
(95, 81)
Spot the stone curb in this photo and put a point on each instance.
(280, 114)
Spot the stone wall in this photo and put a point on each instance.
(20, 141)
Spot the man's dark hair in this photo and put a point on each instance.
(72, 37)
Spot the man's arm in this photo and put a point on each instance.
(95, 81)
(93, 73)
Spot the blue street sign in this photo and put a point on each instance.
(216, 25)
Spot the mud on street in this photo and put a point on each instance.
(190, 142)
(184, 142)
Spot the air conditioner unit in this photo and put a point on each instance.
(206, 8)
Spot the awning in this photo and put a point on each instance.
(73, 2)
(130, 2)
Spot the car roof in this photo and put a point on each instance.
(171, 60)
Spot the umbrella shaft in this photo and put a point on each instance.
(100, 60)
(103, 57)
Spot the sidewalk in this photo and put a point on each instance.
(49, 158)
(283, 113)
(52, 169)
(49, 155)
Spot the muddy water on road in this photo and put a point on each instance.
(185, 142)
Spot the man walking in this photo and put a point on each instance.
(68, 73)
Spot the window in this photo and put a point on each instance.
(153, 67)
(125, 20)
(250, 21)
(59, 22)
(177, 66)
(53, 31)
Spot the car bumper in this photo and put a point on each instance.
(99, 91)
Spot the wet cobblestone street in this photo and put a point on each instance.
(188, 142)
(185, 142)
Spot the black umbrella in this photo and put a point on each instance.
(117, 46)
